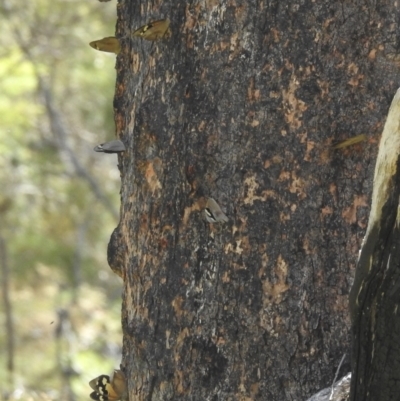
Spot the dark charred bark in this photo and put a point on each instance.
(243, 104)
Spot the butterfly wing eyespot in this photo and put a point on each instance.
(145, 29)
(99, 381)
(213, 212)
(98, 397)
(209, 216)
(108, 389)
(154, 30)
(115, 146)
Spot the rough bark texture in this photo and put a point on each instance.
(242, 103)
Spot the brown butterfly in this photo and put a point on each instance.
(110, 44)
(154, 30)
(213, 212)
(115, 146)
(109, 389)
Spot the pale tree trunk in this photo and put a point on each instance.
(242, 104)
(375, 295)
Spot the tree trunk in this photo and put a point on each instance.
(375, 295)
(243, 104)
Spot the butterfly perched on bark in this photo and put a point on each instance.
(109, 44)
(154, 30)
(213, 212)
(108, 388)
(115, 146)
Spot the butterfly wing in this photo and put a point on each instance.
(118, 383)
(154, 30)
(101, 386)
(98, 397)
(99, 382)
(110, 147)
(112, 395)
(213, 212)
(108, 389)
(110, 45)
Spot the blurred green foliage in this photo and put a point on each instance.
(65, 301)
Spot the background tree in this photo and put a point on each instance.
(58, 200)
(243, 104)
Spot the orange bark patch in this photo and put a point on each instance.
(267, 164)
(190, 21)
(151, 62)
(219, 46)
(239, 12)
(284, 176)
(220, 341)
(151, 175)
(276, 35)
(132, 120)
(350, 214)
(120, 122)
(326, 211)
(163, 243)
(281, 269)
(307, 247)
(226, 278)
(272, 292)
(353, 70)
(135, 62)
(324, 86)
(119, 90)
(310, 147)
(297, 186)
(234, 46)
(210, 4)
(253, 94)
(356, 80)
(242, 246)
(252, 186)
(177, 305)
(178, 381)
(293, 107)
(254, 390)
(196, 206)
(372, 54)
(284, 217)
(333, 191)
